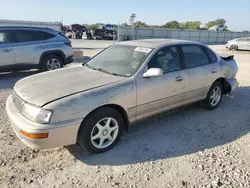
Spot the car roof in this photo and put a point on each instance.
(28, 28)
(155, 43)
(241, 38)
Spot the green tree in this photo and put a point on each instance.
(246, 31)
(172, 24)
(140, 24)
(191, 25)
(124, 25)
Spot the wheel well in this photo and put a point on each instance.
(118, 109)
(226, 86)
(57, 53)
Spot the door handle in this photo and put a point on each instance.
(178, 78)
(6, 50)
(213, 71)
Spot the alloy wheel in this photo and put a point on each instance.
(53, 64)
(215, 96)
(104, 133)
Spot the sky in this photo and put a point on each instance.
(153, 12)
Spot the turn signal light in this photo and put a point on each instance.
(34, 136)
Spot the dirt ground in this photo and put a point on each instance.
(188, 147)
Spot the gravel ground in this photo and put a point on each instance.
(188, 147)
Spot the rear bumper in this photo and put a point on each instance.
(68, 60)
(233, 85)
(60, 134)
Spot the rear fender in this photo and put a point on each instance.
(229, 68)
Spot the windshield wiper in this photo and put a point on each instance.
(102, 70)
(87, 65)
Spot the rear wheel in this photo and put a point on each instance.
(101, 131)
(51, 62)
(214, 96)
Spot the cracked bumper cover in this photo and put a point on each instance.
(233, 85)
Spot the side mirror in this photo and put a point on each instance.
(153, 72)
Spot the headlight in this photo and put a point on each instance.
(36, 114)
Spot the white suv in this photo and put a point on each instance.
(24, 48)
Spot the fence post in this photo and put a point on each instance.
(152, 33)
(217, 37)
(208, 37)
(135, 32)
(225, 33)
(118, 33)
(200, 36)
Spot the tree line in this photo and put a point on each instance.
(195, 25)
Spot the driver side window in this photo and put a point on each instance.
(168, 59)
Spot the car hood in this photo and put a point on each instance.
(43, 88)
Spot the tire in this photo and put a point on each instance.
(89, 130)
(234, 47)
(208, 102)
(53, 61)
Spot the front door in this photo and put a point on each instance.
(202, 70)
(248, 44)
(7, 53)
(157, 94)
(243, 44)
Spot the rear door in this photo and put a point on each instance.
(202, 70)
(29, 46)
(7, 53)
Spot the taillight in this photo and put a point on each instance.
(68, 44)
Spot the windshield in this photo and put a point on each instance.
(121, 60)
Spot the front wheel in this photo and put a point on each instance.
(101, 131)
(214, 96)
(234, 47)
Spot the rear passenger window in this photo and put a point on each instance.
(194, 56)
(211, 55)
(30, 36)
